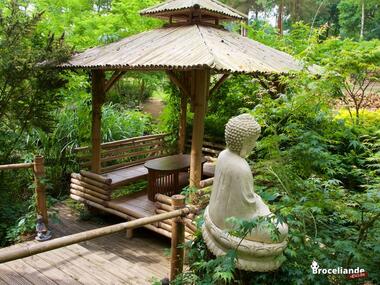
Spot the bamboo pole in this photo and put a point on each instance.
(89, 191)
(88, 196)
(98, 96)
(201, 87)
(93, 182)
(163, 199)
(39, 172)
(178, 238)
(16, 166)
(35, 248)
(207, 182)
(96, 177)
(162, 206)
(90, 186)
(120, 214)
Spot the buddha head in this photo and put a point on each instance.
(241, 134)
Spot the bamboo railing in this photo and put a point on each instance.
(39, 171)
(178, 239)
(124, 153)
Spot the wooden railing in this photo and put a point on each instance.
(124, 153)
(39, 171)
(178, 236)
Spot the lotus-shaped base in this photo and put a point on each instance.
(252, 255)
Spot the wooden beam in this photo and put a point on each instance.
(218, 84)
(201, 88)
(98, 97)
(177, 82)
(114, 78)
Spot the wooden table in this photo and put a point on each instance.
(168, 175)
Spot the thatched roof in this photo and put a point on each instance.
(186, 47)
(183, 7)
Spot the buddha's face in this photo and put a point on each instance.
(248, 145)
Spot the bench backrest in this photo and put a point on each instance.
(127, 152)
(209, 147)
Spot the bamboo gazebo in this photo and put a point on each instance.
(191, 47)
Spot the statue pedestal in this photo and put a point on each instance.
(252, 256)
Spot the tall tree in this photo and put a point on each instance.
(359, 19)
(362, 20)
(28, 88)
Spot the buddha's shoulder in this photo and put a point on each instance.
(232, 161)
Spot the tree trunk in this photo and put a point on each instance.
(362, 21)
(279, 17)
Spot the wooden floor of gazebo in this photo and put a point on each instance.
(109, 260)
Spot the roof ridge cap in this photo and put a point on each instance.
(213, 64)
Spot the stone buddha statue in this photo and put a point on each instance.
(233, 196)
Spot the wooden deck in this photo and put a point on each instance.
(137, 205)
(108, 260)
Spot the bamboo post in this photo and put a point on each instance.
(178, 238)
(129, 233)
(201, 88)
(98, 96)
(39, 172)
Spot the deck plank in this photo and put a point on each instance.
(70, 268)
(138, 203)
(106, 260)
(11, 276)
(130, 270)
(94, 257)
(29, 272)
(87, 266)
(121, 175)
(50, 271)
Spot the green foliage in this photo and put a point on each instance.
(87, 25)
(28, 90)
(73, 130)
(318, 170)
(321, 176)
(350, 18)
(238, 93)
(132, 188)
(28, 95)
(134, 89)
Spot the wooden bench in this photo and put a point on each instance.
(123, 161)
